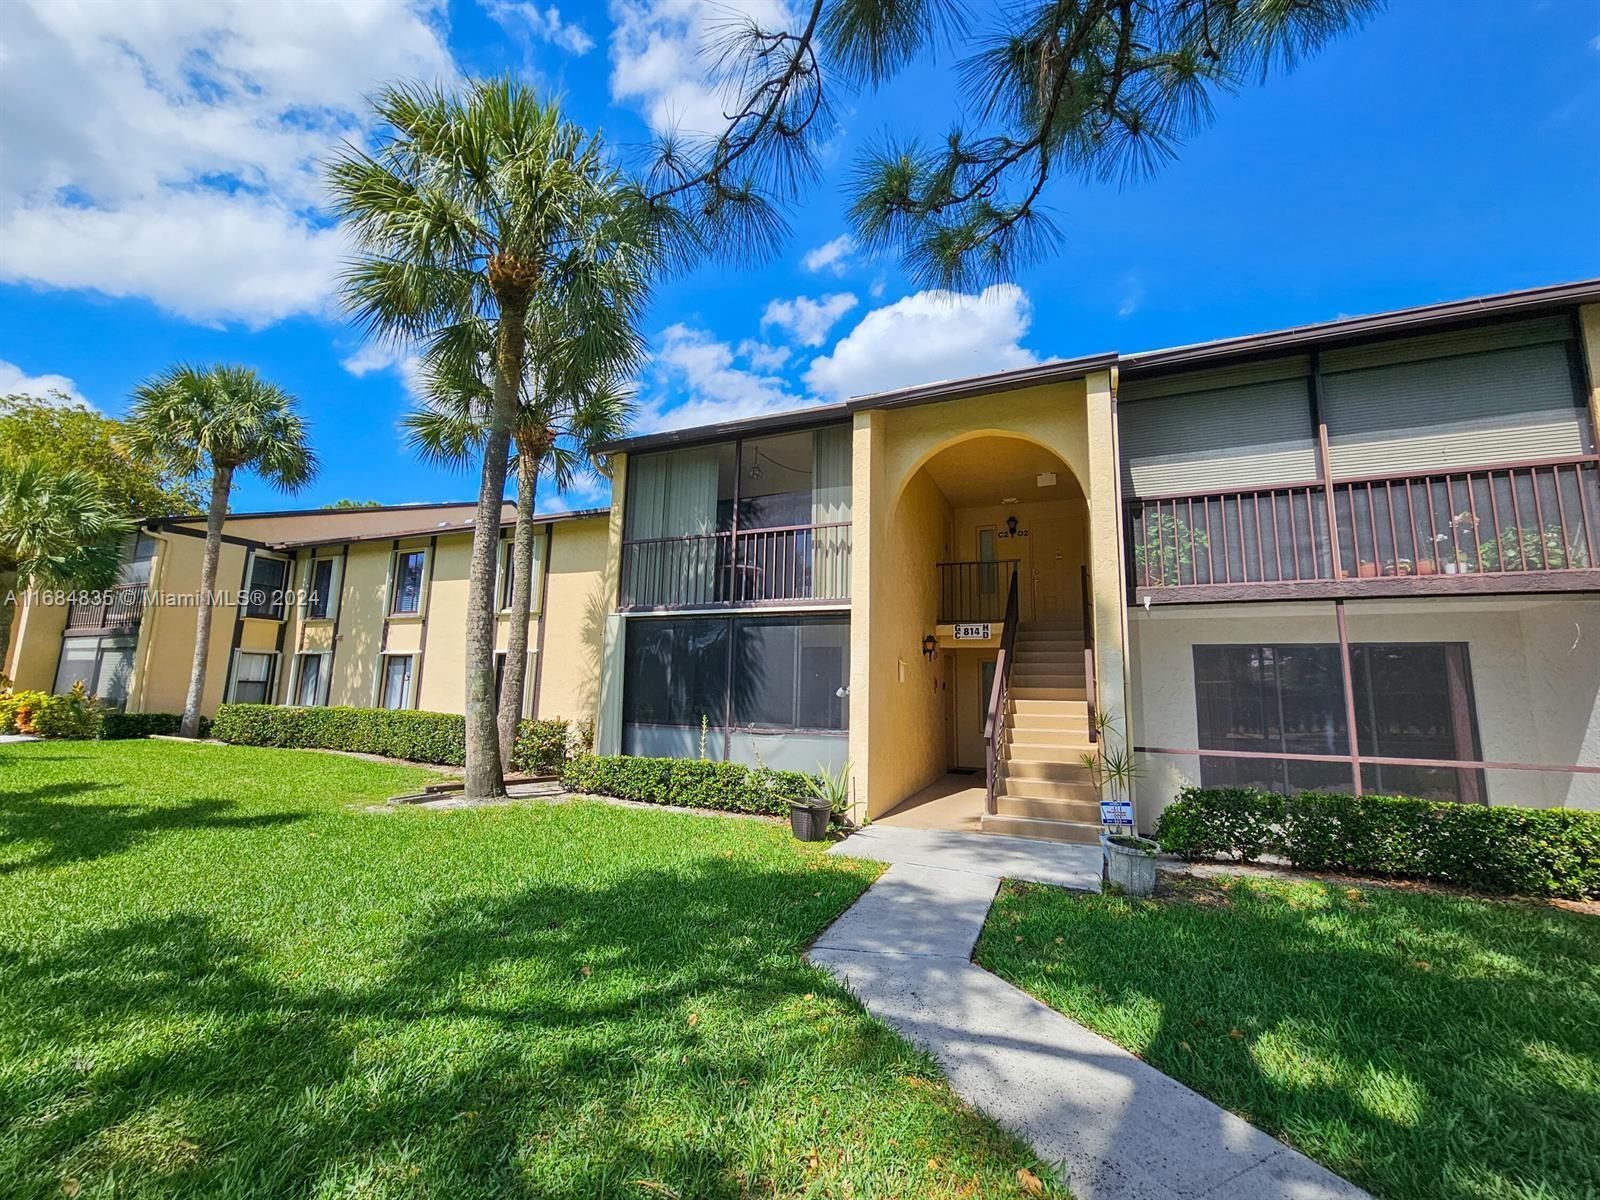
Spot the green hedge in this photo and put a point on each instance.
(118, 725)
(425, 737)
(1517, 851)
(688, 782)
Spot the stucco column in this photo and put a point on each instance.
(1106, 564)
(608, 717)
(1589, 322)
(866, 498)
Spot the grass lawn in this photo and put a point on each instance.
(220, 976)
(1422, 1045)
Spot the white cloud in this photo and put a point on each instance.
(520, 18)
(703, 386)
(763, 357)
(805, 320)
(663, 54)
(382, 356)
(833, 255)
(15, 381)
(924, 338)
(587, 491)
(172, 151)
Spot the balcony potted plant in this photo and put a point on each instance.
(1130, 860)
(1461, 544)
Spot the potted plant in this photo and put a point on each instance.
(809, 815)
(1130, 860)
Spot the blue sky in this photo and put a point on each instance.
(159, 202)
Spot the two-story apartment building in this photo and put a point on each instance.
(1358, 555)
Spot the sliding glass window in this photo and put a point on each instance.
(1412, 700)
(750, 689)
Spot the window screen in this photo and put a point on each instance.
(252, 678)
(269, 577)
(408, 566)
(319, 598)
(396, 681)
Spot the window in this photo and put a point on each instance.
(408, 575)
(269, 578)
(321, 589)
(791, 674)
(103, 665)
(138, 558)
(1412, 700)
(676, 672)
(252, 678)
(499, 675)
(768, 689)
(508, 550)
(311, 680)
(396, 681)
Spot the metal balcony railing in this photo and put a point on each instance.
(751, 567)
(974, 591)
(116, 608)
(1504, 519)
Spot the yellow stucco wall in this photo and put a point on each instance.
(582, 591)
(166, 642)
(35, 646)
(1589, 322)
(361, 613)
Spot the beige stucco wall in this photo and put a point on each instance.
(1589, 323)
(35, 646)
(582, 590)
(166, 641)
(362, 601)
(1031, 515)
(1535, 680)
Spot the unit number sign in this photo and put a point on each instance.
(975, 632)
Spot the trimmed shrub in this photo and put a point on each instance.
(1205, 822)
(118, 725)
(688, 782)
(424, 737)
(1517, 851)
(415, 736)
(76, 714)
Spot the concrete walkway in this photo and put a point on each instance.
(1117, 1127)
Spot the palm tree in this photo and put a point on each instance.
(568, 406)
(218, 420)
(57, 528)
(470, 209)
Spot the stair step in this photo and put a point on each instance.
(1059, 769)
(1025, 678)
(1062, 721)
(1086, 812)
(1034, 827)
(1038, 626)
(1048, 746)
(1027, 706)
(1047, 789)
(1048, 693)
(1050, 654)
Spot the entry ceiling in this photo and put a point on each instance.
(988, 470)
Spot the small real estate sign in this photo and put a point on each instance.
(973, 631)
(1116, 812)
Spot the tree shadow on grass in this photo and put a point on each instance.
(1419, 1045)
(73, 828)
(561, 1042)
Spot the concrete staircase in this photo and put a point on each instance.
(1042, 789)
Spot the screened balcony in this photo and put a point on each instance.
(1519, 527)
(760, 522)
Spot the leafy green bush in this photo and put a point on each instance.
(688, 782)
(543, 746)
(119, 725)
(73, 715)
(425, 737)
(1205, 822)
(1519, 851)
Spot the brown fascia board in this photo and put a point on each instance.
(823, 414)
(1351, 329)
(168, 518)
(433, 530)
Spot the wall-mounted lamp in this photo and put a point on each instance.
(930, 645)
(1011, 525)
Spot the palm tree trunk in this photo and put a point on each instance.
(216, 515)
(9, 581)
(521, 601)
(483, 776)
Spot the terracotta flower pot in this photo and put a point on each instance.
(1367, 570)
(1426, 566)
